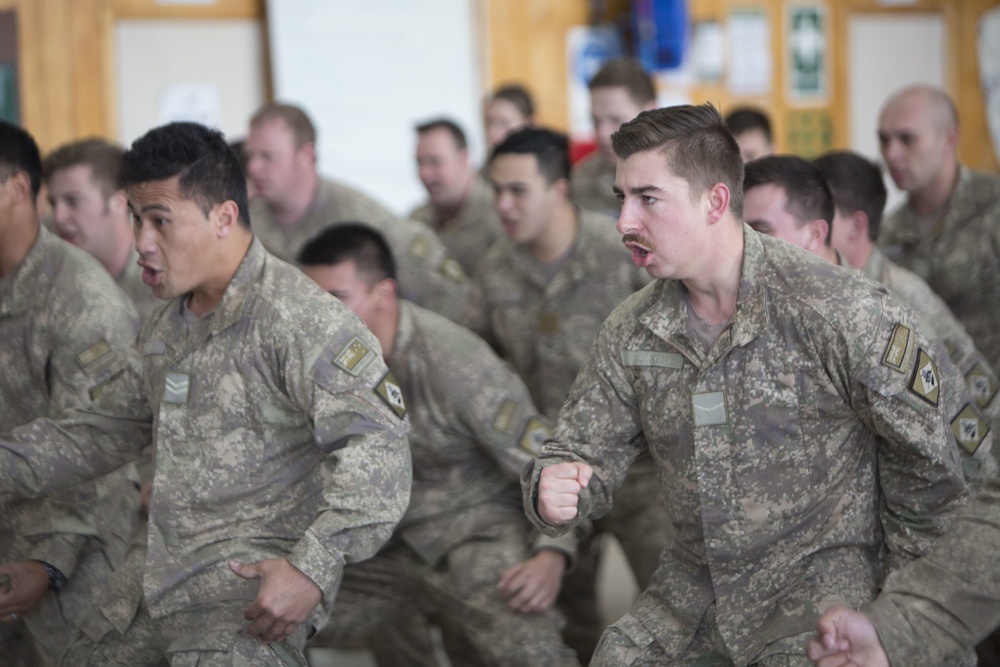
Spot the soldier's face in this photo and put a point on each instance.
(765, 208)
(342, 281)
(914, 148)
(753, 144)
(443, 167)
(524, 200)
(174, 238)
(502, 118)
(275, 165)
(663, 223)
(80, 212)
(609, 108)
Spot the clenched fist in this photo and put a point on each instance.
(559, 488)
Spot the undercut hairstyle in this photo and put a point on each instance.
(209, 171)
(303, 130)
(856, 184)
(449, 126)
(809, 196)
(352, 241)
(695, 144)
(518, 96)
(627, 73)
(19, 152)
(103, 157)
(746, 119)
(550, 148)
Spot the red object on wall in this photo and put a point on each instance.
(581, 149)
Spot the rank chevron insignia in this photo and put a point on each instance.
(176, 387)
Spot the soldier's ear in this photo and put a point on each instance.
(716, 202)
(386, 290)
(225, 218)
(819, 230)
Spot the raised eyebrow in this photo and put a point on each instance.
(643, 189)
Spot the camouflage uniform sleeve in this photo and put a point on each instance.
(428, 275)
(81, 443)
(931, 612)
(359, 418)
(86, 350)
(599, 425)
(897, 392)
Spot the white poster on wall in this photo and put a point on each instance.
(367, 73)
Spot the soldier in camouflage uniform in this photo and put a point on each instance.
(788, 198)
(249, 381)
(547, 289)
(64, 326)
(294, 204)
(859, 196)
(90, 211)
(948, 230)
(460, 553)
(460, 208)
(931, 612)
(791, 408)
(618, 92)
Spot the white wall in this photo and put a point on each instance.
(368, 72)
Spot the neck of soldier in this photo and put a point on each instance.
(294, 205)
(714, 291)
(558, 237)
(385, 327)
(857, 254)
(207, 296)
(931, 198)
(827, 252)
(16, 238)
(120, 250)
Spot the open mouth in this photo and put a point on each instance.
(151, 276)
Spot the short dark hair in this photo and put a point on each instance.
(303, 130)
(352, 241)
(809, 196)
(448, 125)
(19, 152)
(695, 142)
(210, 173)
(103, 157)
(744, 119)
(517, 95)
(549, 147)
(856, 184)
(627, 73)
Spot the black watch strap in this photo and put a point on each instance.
(56, 578)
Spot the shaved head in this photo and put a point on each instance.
(933, 100)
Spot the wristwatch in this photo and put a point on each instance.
(56, 578)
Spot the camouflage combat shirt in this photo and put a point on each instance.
(791, 454)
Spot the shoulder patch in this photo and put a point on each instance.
(96, 358)
(389, 391)
(652, 358)
(452, 270)
(536, 432)
(924, 381)
(895, 351)
(982, 385)
(504, 416)
(354, 357)
(420, 247)
(969, 428)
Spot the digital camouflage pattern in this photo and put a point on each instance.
(931, 612)
(470, 232)
(64, 328)
(938, 324)
(473, 429)
(591, 185)
(792, 454)
(141, 294)
(428, 275)
(545, 326)
(245, 411)
(960, 258)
